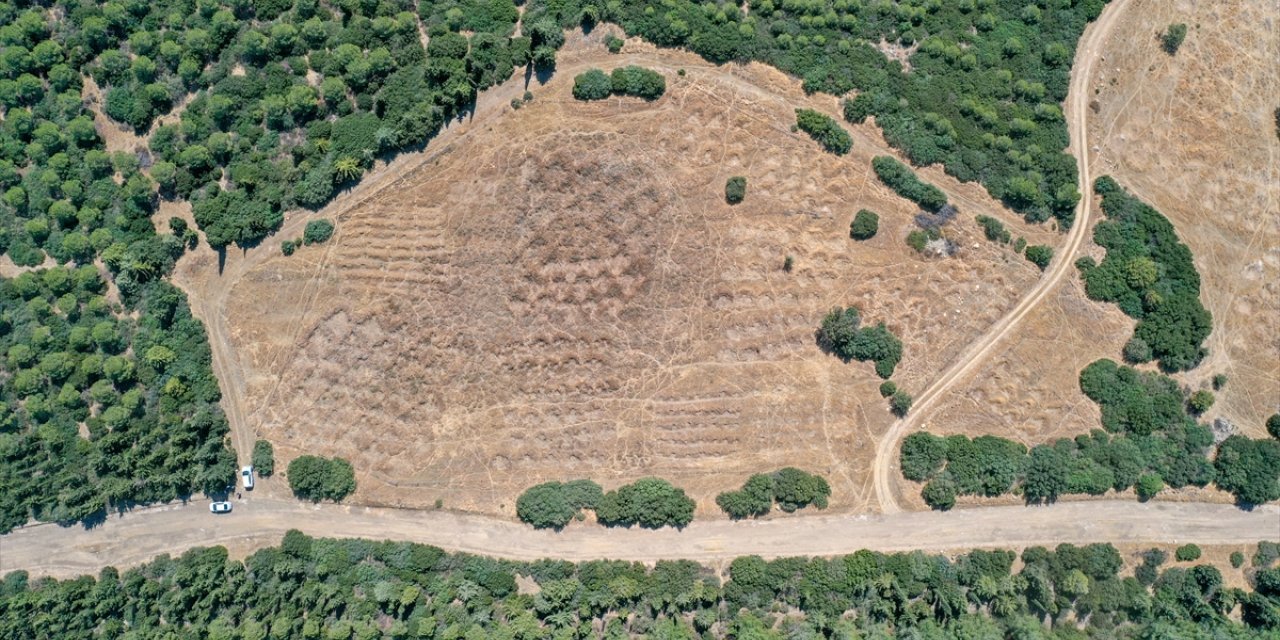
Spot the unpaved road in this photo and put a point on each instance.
(259, 522)
(1077, 113)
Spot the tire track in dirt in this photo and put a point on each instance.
(1077, 120)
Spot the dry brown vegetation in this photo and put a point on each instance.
(1193, 135)
(561, 291)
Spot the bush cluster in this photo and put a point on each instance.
(1150, 275)
(790, 488)
(1149, 442)
(315, 478)
(841, 335)
(640, 82)
(652, 503)
(552, 505)
(903, 181)
(823, 128)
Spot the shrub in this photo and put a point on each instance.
(1219, 381)
(264, 458)
(1040, 255)
(1148, 486)
(1187, 553)
(592, 84)
(994, 229)
(735, 189)
(1172, 39)
(788, 263)
(314, 478)
(553, 504)
(1137, 351)
(317, 231)
(649, 502)
(903, 181)
(887, 388)
(754, 499)
(918, 238)
(1249, 469)
(614, 43)
(1200, 402)
(900, 403)
(864, 226)
(940, 493)
(923, 455)
(840, 335)
(639, 82)
(795, 489)
(1273, 425)
(824, 130)
(1237, 559)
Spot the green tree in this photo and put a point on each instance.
(900, 403)
(923, 455)
(554, 504)
(735, 189)
(315, 478)
(1200, 402)
(1249, 469)
(649, 502)
(317, 231)
(264, 458)
(1187, 553)
(1172, 39)
(1148, 485)
(1039, 255)
(864, 226)
(824, 130)
(592, 84)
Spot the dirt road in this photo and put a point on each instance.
(259, 522)
(1063, 263)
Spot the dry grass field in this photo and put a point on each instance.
(561, 291)
(1192, 134)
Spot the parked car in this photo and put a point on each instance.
(246, 476)
(220, 507)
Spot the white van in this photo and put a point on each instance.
(246, 475)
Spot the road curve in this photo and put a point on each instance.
(134, 538)
(1077, 121)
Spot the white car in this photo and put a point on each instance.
(246, 476)
(220, 507)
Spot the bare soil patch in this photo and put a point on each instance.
(562, 292)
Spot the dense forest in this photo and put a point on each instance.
(1149, 442)
(344, 589)
(283, 102)
(104, 402)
